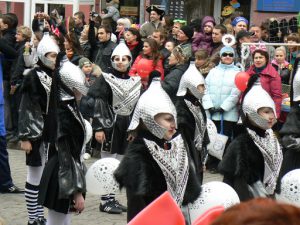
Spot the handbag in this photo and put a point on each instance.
(218, 142)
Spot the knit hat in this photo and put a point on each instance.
(227, 49)
(84, 61)
(188, 31)
(239, 19)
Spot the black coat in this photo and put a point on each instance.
(101, 51)
(186, 126)
(284, 74)
(8, 39)
(291, 157)
(171, 82)
(140, 174)
(18, 66)
(32, 113)
(242, 165)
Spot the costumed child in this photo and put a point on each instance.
(62, 186)
(115, 94)
(155, 161)
(34, 107)
(191, 116)
(252, 162)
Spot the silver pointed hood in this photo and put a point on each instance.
(190, 80)
(255, 99)
(72, 76)
(46, 45)
(152, 102)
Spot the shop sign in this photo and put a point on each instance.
(278, 5)
(129, 11)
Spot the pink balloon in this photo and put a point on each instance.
(241, 80)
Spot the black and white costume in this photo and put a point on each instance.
(252, 162)
(191, 116)
(151, 165)
(63, 175)
(115, 94)
(34, 107)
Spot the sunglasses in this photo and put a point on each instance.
(227, 54)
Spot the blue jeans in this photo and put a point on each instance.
(5, 175)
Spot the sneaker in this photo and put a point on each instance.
(13, 190)
(41, 221)
(86, 156)
(120, 206)
(110, 207)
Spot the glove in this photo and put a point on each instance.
(212, 110)
(220, 110)
(291, 142)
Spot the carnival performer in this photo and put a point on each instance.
(115, 94)
(62, 186)
(155, 161)
(252, 162)
(191, 116)
(290, 131)
(34, 107)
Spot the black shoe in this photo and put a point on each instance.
(120, 206)
(40, 221)
(13, 190)
(110, 207)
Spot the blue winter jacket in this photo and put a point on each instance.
(2, 122)
(221, 92)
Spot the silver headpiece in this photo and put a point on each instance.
(296, 85)
(152, 102)
(121, 50)
(46, 45)
(190, 81)
(126, 93)
(255, 99)
(72, 76)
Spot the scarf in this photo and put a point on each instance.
(271, 151)
(131, 46)
(174, 165)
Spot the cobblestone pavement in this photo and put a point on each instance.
(13, 208)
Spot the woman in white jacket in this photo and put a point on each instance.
(222, 96)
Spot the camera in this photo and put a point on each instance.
(94, 14)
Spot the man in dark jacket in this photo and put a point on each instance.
(103, 48)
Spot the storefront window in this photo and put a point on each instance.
(130, 9)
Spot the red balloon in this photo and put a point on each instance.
(241, 80)
(144, 67)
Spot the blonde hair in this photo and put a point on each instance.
(125, 21)
(25, 31)
(281, 48)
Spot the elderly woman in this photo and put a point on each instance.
(222, 96)
(178, 65)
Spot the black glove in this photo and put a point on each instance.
(291, 142)
(212, 110)
(220, 110)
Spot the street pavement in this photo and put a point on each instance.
(13, 207)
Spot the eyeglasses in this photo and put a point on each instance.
(227, 54)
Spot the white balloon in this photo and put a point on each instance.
(88, 131)
(290, 188)
(213, 194)
(99, 177)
